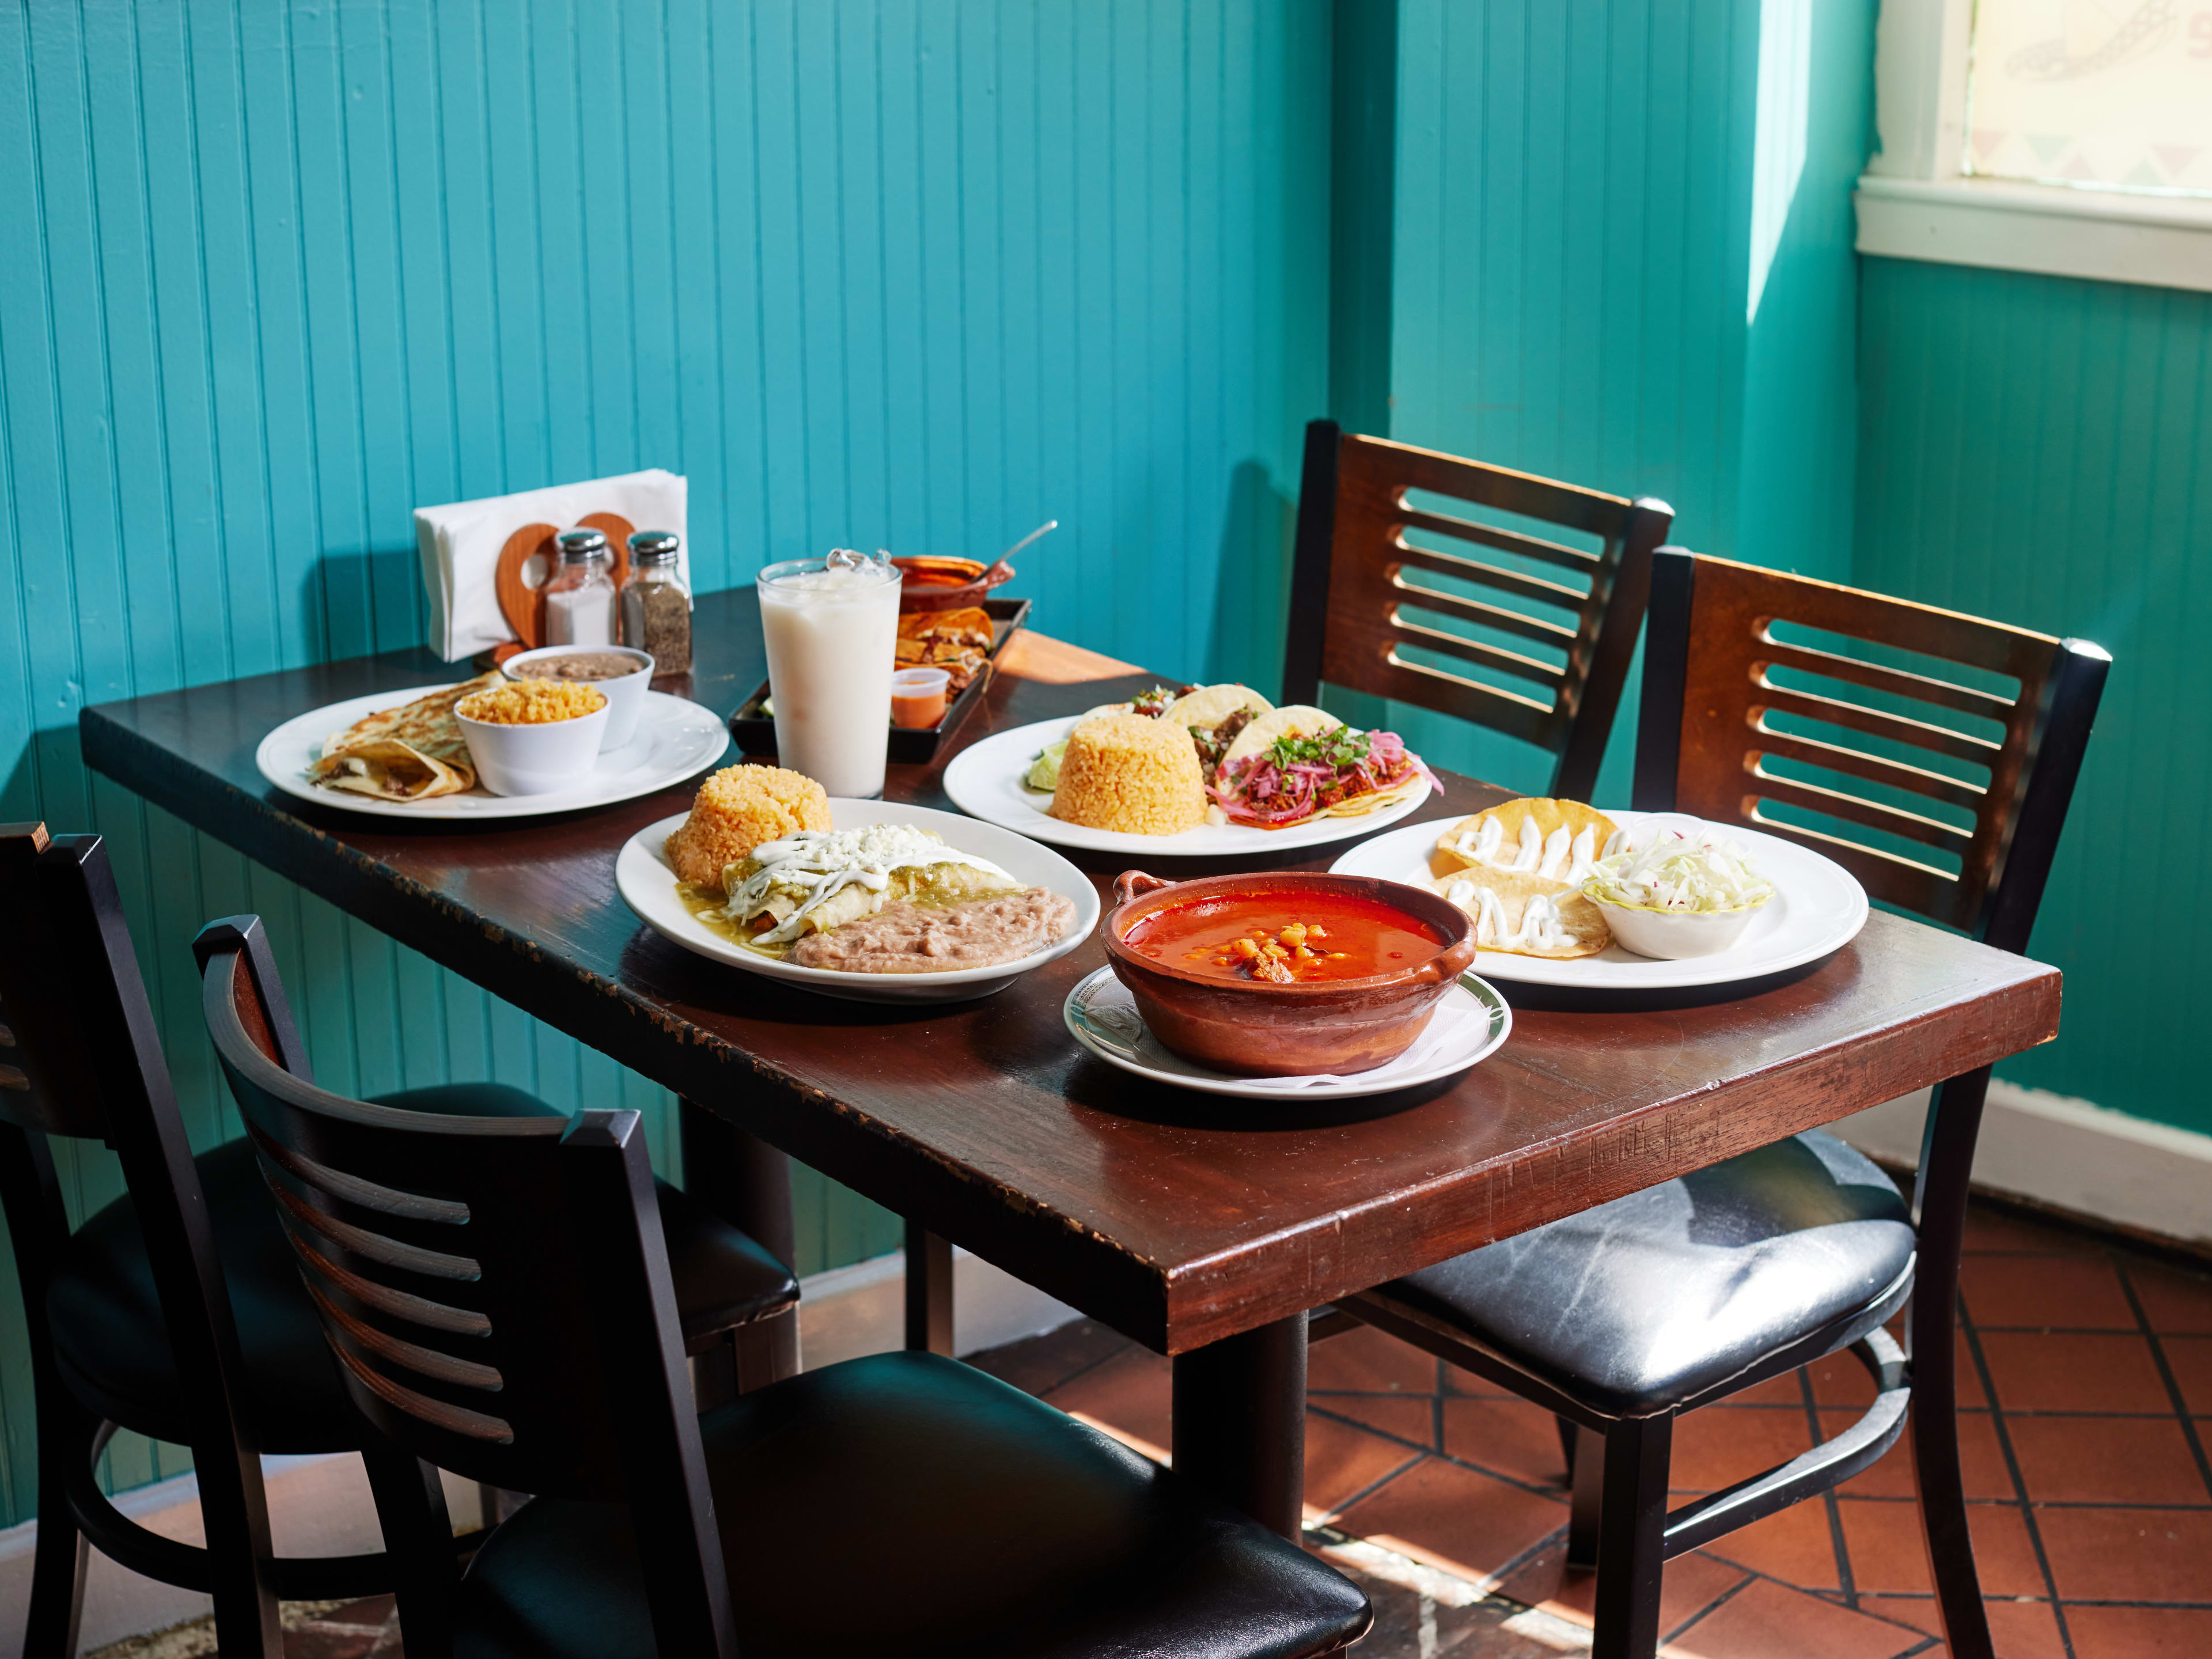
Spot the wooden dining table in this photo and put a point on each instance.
(1205, 1228)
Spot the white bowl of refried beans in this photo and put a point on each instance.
(619, 671)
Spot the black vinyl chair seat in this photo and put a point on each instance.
(1643, 1304)
(111, 1346)
(908, 1504)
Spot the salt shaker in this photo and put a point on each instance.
(656, 606)
(580, 595)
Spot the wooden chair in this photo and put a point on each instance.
(1622, 1319)
(178, 1310)
(499, 1293)
(134, 1321)
(1355, 572)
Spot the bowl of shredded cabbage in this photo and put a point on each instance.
(1688, 893)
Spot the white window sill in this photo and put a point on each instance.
(2162, 241)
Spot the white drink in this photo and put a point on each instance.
(831, 628)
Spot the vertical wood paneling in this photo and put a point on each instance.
(2039, 450)
(917, 274)
(1571, 268)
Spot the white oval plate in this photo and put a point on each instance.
(647, 883)
(1470, 1022)
(675, 739)
(1818, 907)
(985, 780)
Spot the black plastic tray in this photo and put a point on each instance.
(755, 732)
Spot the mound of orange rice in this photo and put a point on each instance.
(532, 702)
(738, 808)
(1128, 773)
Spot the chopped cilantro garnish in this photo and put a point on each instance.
(1340, 749)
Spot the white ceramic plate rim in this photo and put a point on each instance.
(647, 882)
(1822, 909)
(283, 758)
(984, 780)
(1192, 1076)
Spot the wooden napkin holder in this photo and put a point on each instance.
(524, 604)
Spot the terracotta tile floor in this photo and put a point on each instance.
(2084, 1361)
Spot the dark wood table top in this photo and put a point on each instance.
(1177, 1218)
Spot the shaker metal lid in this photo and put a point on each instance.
(581, 543)
(654, 546)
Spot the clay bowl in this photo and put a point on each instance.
(1251, 1028)
(947, 584)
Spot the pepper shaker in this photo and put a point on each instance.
(656, 606)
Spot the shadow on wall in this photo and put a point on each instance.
(1252, 582)
(355, 603)
(48, 780)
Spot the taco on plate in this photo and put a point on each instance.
(1300, 762)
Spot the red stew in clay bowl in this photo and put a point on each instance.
(1285, 976)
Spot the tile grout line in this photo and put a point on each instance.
(1719, 1601)
(1534, 1489)
(2166, 1373)
(1965, 1328)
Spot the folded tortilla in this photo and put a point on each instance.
(415, 752)
(1498, 901)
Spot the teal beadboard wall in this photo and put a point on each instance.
(2039, 449)
(1623, 258)
(905, 275)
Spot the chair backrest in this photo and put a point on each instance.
(496, 1289)
(80, 1058)
(1958, 753)
(1356, 577)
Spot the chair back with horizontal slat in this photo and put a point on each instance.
(81, 1059)
(496, 1289)
(52, 1031)
(1357, 577)
(1941, 776)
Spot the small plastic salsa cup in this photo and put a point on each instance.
(918, 696)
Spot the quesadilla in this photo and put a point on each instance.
(414, 752)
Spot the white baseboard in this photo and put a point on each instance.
(321, 1505)
(2068, 1153)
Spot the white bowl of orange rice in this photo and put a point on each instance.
(534, 737)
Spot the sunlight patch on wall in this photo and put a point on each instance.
(1785, 97)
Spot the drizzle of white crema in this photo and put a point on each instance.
(1541, 927)
(1556, 857)
(822, 863)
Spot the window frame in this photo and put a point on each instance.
(1914, 203)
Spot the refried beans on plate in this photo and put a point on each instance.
(905, 937)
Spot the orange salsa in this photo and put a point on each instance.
(1286, 938)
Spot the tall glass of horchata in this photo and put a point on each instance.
(831, 627)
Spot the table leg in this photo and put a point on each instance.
(1240, 1421)
(929, 1292)
(747, 1181)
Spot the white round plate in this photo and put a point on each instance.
(1818, 907)
(985, 780)
(675, 739)
(647, 883)
(1469, 1023)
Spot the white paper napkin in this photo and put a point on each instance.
(459, 545)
